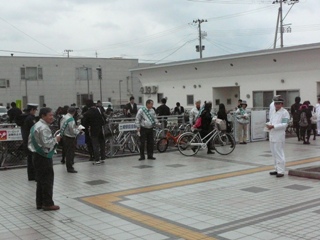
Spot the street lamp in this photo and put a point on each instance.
(120, 91)
(100, 78)
(87, 80)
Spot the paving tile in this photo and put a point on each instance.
(297, 187)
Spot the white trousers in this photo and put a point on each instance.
(277, 150)
(318, 127)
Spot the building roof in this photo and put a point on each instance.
(235, 56)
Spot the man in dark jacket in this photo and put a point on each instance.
(13, 112)
(131, 108)
(295, 113)
(29, 121)
(93, 122)
(163, 110)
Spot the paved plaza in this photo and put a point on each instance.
(174, 197)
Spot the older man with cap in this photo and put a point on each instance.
(277, 127)
(242, 118)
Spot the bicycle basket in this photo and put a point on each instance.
(221, 125)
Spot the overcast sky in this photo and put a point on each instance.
(150, 30)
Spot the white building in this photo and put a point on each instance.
(63, 81)
(253, 76)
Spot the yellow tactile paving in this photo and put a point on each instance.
(107, 201)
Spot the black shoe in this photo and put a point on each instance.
(63, 161)
(141, 159)
(210, 152)
(244, 143)
(72, 171)
(273, 173)
(280, 175)
(241, 142)
(151, 158)
(39, 207)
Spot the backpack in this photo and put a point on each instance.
(303, 120)
(19, 120)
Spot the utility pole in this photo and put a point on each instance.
(280, 20)
(68, 51)
(200, 48)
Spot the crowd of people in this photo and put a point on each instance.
(40, 144)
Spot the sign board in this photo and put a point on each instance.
(10, 134)
(258, 123)
(127, 127)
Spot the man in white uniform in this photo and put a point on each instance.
(277, 126)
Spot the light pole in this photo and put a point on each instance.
(84, 67)
(100, 78)
(199, 21)
(120, 91)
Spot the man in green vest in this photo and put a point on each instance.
(42, 144)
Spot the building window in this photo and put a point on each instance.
(288, 96)
(23, 73)
(159, 97)
(140, 100)
(229, 101)
(41, 101)
(262, 99)
(109, 99)
(40, 74)
(190, 100)
(31, 73)
(4, 83)
(217, 102)
(83, 74)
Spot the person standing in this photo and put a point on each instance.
(28, 122)
(145, 121)
(179, 110)
(93, 122)
(42, 144)
(295, 112)
(243, 122)
(14, 112)
(206, 127)
(277, 127)
(69, 132)
(163, 110)
(131, 108)
(318, 116)
(305, 122)
(193, 114)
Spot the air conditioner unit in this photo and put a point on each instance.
(147, 89)
(142, 89)
(154, 89)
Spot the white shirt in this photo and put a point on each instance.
(318, 110)
(193, 114)
(280, 121)
(272, 109)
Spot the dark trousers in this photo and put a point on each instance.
(297, 127)
(69, 148)
(99, 147)
(203, 133)
(304, 131)
(44, 177)
(89, 145)
(146, 135)
(30, 167)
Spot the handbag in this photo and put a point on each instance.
(198, 123)
(221, 125)
(314, 118)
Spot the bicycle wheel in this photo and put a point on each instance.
(185, 144)
(131, 144)
(162, 145)
(224, 143)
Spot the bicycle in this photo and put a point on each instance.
(190, 143)
(123, 141)
(172, 136)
